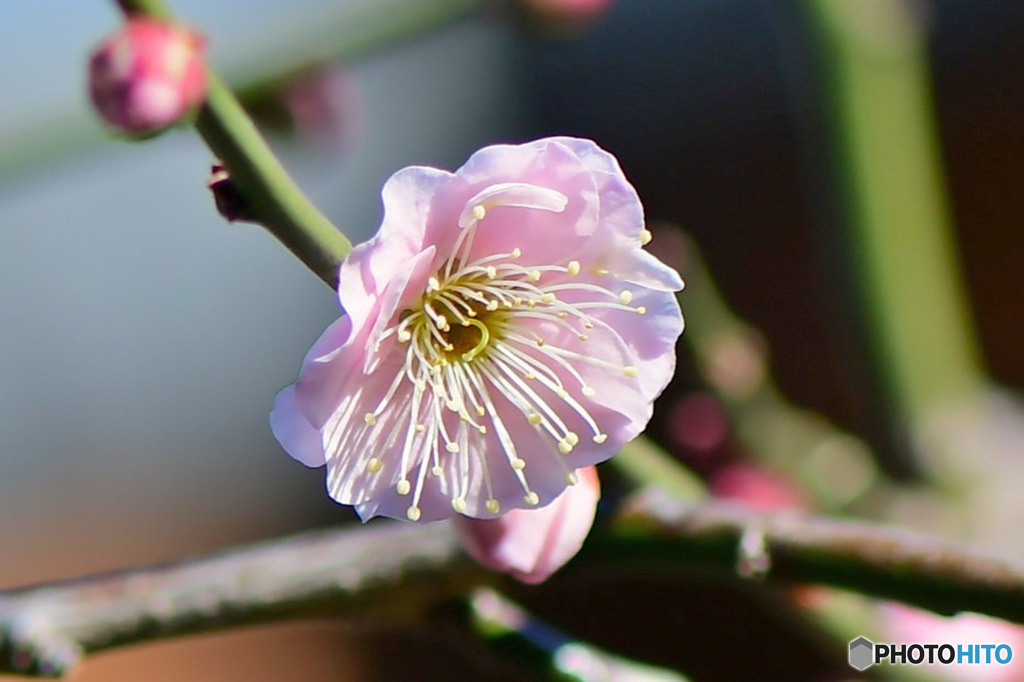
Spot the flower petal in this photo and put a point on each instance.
(298, 437)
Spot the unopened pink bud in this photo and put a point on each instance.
(531, 544)
(147, 75)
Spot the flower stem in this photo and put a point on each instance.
(271, 196)
(645, 464)
(270, 193)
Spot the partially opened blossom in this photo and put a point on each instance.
(504, 329)
(147, 75)
(531, 544)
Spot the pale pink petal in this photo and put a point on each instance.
(615, 248)
(298, 437)
(407, 197)
(543, 236)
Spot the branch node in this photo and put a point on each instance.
(753, 561)
(230, 202)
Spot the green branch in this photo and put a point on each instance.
(271, 197)
(873, 559)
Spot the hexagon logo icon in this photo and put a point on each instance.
(862, 653)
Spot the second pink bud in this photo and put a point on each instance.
(531, 544)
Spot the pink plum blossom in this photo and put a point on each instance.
(531, 544)
(504, 329)
(147, 75)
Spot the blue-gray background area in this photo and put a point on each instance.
(142, 339)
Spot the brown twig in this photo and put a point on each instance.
(392, 569)
(876, 560)
(383, 570)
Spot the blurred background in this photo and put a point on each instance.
(838, 181)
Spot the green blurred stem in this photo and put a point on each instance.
(877, 78)
(271, 197)
(645, 464)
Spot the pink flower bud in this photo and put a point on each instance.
(147, 76)
(531, 544)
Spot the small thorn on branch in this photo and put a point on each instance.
(230, 202)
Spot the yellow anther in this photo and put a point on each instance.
(403, 487)
(573, 268)
(645, 237)
(600, 438)
(518, 464)
(437, 471)
(370, 418)
(534, 419)
(625, 297)
(630, 371)
(548, 298)
(641, 310)
(493, 506)
(413, 513)
(459, 505)
(479, 212)
(571, 479)
(589, 391)
(452, 447)
(373, 465)
(572, 438)
(564, 446)
(492, 271)
(531, 498)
